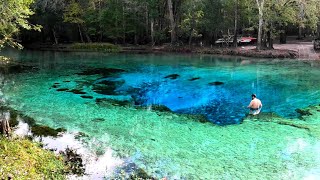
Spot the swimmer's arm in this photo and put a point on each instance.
(260, 105)
(249, 106)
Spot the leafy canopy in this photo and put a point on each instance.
(14, 15)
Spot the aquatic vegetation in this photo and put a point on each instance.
(107, 87)
(40, 130)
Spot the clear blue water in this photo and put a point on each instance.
(282, 85)
(166, 144)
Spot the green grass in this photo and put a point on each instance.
(23, 159)
(105, 47)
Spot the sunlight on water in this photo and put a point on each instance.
(112, 99)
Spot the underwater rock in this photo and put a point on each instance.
(194, 78)
(107, 87)
(55, 86)
(140, 174)
(73, 161)
(160, 108)
(197, 117)
(134, 171)
(80, 135)
(216, 83)
(76, 91)
(113, 102)
(101, 71)
(87, 97)
(172, 76)
(263, 116)
(303, 112)
(40, 130)
(63, 89)
(98, 120)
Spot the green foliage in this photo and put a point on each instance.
(105, 47)
(14, 15)
(73, 13)
(22, 159)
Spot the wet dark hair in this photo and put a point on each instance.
(253, 95)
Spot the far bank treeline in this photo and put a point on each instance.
(155, 22)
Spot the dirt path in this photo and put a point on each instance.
(305, 49)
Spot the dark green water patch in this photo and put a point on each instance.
(98, 120)
(14, 68)
(77, 91)
(113, 102)
(101, 71)
(155, 107)
(106, 87)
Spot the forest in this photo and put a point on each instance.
(156, 22)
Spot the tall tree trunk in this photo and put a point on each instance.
(283, 37)
(172, 23)
(235, 34)
(123, 26)
(80, 33)
(55, 36)
(260, 4)
(300, 32)
(86, 34)
(270, 37)
(147, 20)
(152, 31)
(193, 24)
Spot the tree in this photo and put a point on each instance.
(73, 14)
(260, 5)
(191, 19)
(172, 23)
(14, 17)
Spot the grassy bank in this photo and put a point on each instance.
(101, 47)
(23, 159)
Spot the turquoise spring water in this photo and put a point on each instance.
(217, 87)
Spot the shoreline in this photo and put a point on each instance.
(245, 51)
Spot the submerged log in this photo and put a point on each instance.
(4, 125)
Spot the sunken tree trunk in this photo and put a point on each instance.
(4, 125)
